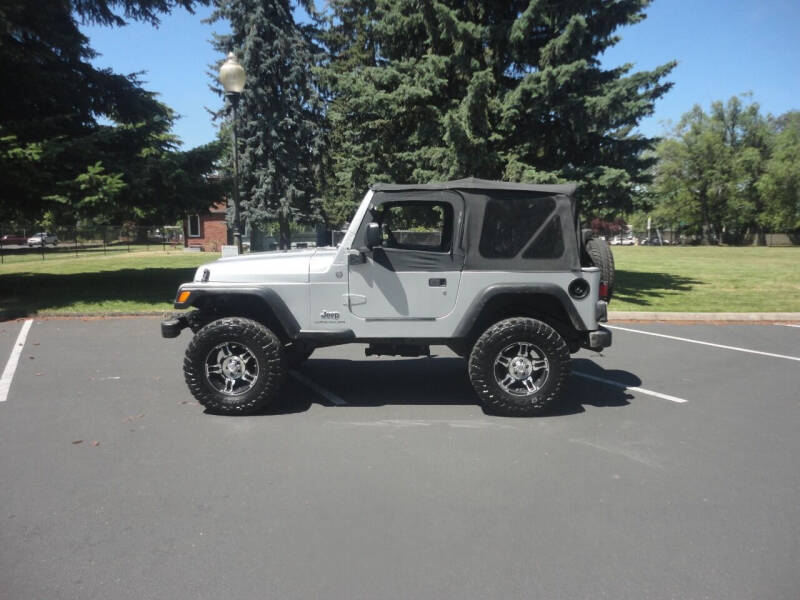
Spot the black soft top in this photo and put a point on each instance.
(471, 199)
(471, 183)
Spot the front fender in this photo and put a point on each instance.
(200, 295)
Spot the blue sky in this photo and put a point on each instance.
(723, 48)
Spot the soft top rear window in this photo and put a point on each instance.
(549, 243)
(509, 224)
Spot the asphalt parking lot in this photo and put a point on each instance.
(670, 471)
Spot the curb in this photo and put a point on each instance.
(704, 317)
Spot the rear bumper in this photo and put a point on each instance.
(173, 326)
(601, 311)
(597, 340)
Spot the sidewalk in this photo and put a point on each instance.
(705, 317)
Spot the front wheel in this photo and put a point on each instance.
(519, 366)
(234, 366)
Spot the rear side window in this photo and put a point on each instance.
(549, 243)
(509, 224)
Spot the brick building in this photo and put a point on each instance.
(208, 231)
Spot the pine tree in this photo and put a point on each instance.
(353, 157)
(437, 89)
(279, 113)
(53, 101)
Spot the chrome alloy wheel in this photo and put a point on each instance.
(521, 369)
(231, 368)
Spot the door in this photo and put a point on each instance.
(415, 273)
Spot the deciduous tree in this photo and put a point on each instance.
(780, 184)
(709, 171)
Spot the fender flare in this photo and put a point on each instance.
(200, 292)
(480, 302)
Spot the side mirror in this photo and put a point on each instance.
(374, 235)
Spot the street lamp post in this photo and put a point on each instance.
(231, 76)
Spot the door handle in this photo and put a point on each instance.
(437, 282)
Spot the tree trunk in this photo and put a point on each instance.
(706, 238)
(284, 233)
(761, 236)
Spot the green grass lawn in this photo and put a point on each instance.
(701, 279)
(119, 282)
(707, 279)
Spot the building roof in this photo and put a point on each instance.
(471, 183)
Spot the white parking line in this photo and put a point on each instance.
(683, 339)
(330, 396)
(13, 360)
(789, 325)
(631, 388)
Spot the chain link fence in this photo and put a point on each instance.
(59, 241)
(55, 242)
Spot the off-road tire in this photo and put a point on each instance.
(600, 253)
(264, 346)
(484, 353)
(197, 319)
(297, 353)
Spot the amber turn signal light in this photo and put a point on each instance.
(183, 297)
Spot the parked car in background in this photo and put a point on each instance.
(619, 240)
(654, 241)
(39, 239)
(14, 239)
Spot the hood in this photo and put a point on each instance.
(274, 266)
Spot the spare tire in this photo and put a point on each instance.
(600, 254)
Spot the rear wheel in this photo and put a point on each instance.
(600, 253)
(518, 366)
(234, 366)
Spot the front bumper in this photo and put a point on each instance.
(597, 340)
(172, 327)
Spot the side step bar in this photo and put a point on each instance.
(397, 350)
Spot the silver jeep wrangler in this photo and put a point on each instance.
(499, 272)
